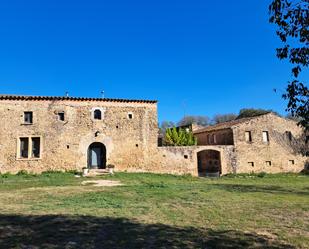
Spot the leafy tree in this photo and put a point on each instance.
(179, 137)
(199, 120)
(292, 20)
(221, 118)
(251, 112)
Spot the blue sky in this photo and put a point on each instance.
(194, 57)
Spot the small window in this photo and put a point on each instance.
(208, 139)
(136, 145)
(61, 116)
(291, 162)
(251, 164)
(36, 147)
(268, 163)
(130, 115)
(214, 137)
(289, 135)
(265, 137)
(248, 136)
(97, 114)
(185, 156)
(28, 117)
(24, 147)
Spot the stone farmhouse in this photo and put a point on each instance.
(39, 133)
(265, 143)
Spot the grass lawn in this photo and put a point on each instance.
(54, 210)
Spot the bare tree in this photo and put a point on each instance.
(199, 120)
(221, 118)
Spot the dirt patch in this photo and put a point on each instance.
(102, 183)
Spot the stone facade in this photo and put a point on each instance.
(127, 129)
(63, 133)
(266, 143)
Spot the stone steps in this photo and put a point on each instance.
(97, 172)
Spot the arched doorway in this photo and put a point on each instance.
(97, 156)
(209, 163)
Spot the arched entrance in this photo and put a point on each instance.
(97, 156)
(209, 163)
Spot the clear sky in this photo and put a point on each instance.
(195, 57)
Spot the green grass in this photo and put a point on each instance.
(54, 210)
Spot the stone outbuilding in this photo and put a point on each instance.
(265, 143)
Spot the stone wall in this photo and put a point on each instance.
(65, 143)
(216, 137)
(131, 144)
(274, 156)
(183, 160)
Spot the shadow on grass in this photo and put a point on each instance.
(55, 231)
(262, 189)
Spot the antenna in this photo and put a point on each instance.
(67, 94)
(102, 94)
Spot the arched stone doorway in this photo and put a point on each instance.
(97, 156)
(209, 163)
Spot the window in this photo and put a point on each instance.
(265, 137)
(268, 163)
(251, 164)
(291, 162)
(130, 115)
(28, 117)
(24, 149)
(35, 147)
(208, 139)
(29, 147)
(97, 114)
(248, 136)
(214, 137)
(185, 156)
(289, 135)
(61, 116)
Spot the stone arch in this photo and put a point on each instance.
(96, 156)
(209, 162)
(97, 114)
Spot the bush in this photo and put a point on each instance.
(261, 175)
(179, 137)
(22, 173)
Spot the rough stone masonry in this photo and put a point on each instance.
(65, 133)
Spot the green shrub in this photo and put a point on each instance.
(22, 173)
(261, 175)
(179, 137)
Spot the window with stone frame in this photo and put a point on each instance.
(36, 147)
(130, 115)
(97, 114)
(23, 147)
(265, 136)
(248, 136)
(28, 117)
(29, 147)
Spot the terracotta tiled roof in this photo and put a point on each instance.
(25, 97)
(227, 125)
